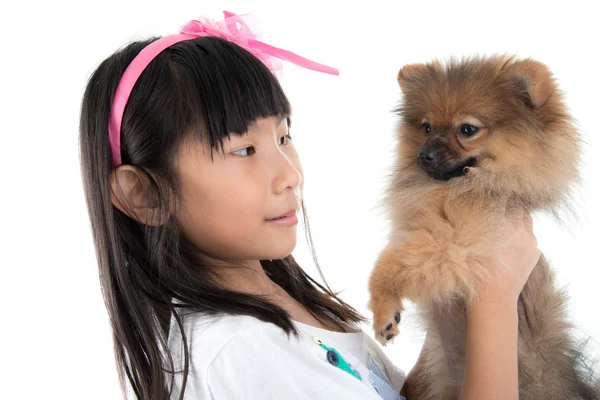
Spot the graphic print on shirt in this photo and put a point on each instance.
(376, 377)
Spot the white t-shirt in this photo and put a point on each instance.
(242, 357)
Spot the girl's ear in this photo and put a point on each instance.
(132, 194)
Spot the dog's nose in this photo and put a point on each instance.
(428, 156)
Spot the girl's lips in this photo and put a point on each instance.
(284, 221)
(288, 219)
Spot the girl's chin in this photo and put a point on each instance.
(280, 253)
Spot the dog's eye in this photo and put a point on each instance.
(468, 130)
(426, 128)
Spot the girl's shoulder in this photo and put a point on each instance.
(208, 335)
(220, 349)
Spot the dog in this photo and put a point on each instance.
(478, 138)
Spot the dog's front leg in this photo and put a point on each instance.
(425, 267)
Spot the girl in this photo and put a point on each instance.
(193, 188)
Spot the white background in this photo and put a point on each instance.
(55, 333)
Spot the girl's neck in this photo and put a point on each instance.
(249, 277)
(244, 276)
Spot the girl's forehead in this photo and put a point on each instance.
(269, 122)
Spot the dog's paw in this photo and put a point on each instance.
(386, 318)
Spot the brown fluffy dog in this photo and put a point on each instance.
(477, 139)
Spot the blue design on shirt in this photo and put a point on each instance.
(381, 383)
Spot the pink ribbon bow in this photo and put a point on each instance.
(234, 28)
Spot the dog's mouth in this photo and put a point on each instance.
(454, 171)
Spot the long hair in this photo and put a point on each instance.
(207, 87)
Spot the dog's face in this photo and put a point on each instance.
(496, 115)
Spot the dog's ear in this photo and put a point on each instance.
(533, 79)
(411, 75)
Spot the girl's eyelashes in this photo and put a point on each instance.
(248, 151)
(245, 152)
(285, 139)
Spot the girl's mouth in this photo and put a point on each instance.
(288, 219)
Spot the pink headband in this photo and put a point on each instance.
(233, 28)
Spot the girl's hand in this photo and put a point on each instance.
(513, 257)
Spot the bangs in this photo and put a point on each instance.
(223, 88)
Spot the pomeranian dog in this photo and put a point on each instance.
(477, 139)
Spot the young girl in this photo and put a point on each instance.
(193, 188)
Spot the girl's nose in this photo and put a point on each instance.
(287, 174)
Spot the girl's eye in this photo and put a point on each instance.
(248, 151)
(284, 139)
(245, 152)
(426, 128)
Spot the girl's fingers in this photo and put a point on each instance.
(528, 222)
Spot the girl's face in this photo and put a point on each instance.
(230, 202)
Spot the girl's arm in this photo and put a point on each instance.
(491, 363)
(491, 370)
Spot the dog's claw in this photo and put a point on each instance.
(386, 317)
(388, 329)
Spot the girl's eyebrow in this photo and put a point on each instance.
(282, 118)
(289, 120)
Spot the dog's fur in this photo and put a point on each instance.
(448, 189)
